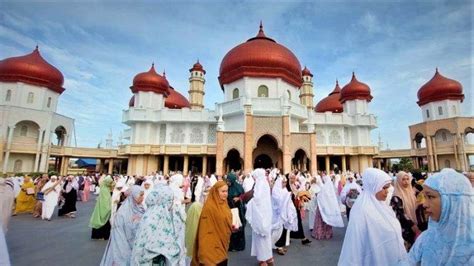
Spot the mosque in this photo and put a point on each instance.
(266, 119)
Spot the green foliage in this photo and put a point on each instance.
(405, 164)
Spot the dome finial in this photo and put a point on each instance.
(261, 33)
(164, 73)
(36, 48)
(437, 72)
(337, 82)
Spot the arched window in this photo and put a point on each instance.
(17, 166)
(235, 93)
(427, 113)
(263, 91)
(454, 109)
(49, 102)
(443, 135)
(8, 97)
(440, 110)
(289, 94)
(31, 97)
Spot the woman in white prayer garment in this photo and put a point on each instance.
(259, 216)
(374, 235)
(51, 192)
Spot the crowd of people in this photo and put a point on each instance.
(393, 219)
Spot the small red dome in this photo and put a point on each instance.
(355, 90)
(331, 103)
(150, 81)
(306, 72)
(197, 67)
(176, 101)
(131, 103)
(260, 57)
(440, 88)
(32, 69)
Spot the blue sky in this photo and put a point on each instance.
(99, 46)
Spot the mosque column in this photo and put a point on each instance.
(313, 155)
(429, 147)
(38, 149)
(166, 162)
(186, 165)
(219, 153)
(158, 163)
(286, 144)
(64, 165)
(7, 153)
(379, 164)
(465, 159)
(248, 142)
(204, 165)
(111, 166)
(435, 154)
(455, 149)
(328, 166)
(344, 165)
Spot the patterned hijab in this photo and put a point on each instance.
(448, 241)
(156, 234)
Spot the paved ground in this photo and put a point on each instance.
(65, 241)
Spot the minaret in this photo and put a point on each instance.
(196, 86)
(306, 95)
(109, 141)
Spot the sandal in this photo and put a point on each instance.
(270, 262)
(281, 251)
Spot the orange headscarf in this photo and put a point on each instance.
(215, 225)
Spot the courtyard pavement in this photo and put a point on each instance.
(66, 241)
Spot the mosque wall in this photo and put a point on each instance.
(441, 110)
(28, 96)
(20, 163)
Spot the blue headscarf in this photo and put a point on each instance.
(450, 240)
(127, 219)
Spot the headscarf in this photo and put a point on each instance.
(348, 187)
(284, 211)
(328, 204)
(407, 195)
(127, 219)
(248, 183)
(450, 240)
(213, 237)
(235, 189)
(103, 207)
(259, 208)
(156, 234)
(374, 235)
(192, 223)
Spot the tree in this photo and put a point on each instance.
(405, 164)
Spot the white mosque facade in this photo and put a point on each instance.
(267, 119)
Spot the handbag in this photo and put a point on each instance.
(40, 196)
(30, 191)
(236, 222)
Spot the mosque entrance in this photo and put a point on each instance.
(263, 161)
(267, 154)
(233, 161)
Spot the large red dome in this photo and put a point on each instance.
(260, 57)
(150, 81)
(355, 90)
(176, 101)
(440, 88)
(32, 69)
(331, 103)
